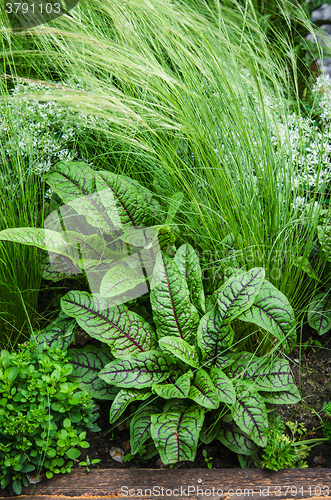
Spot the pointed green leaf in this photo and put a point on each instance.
(319, 313)
(123, 330)
(213, 336)
(175, 432)
(236, 440)
(121, 278)
(225, 390)
(50, 241)
(271, 375)
(180, 389)
(74, 182)
(181, 349)
(140, 426)
(188, 264)
(87, 362)
(60, 333)
(172, 311)
(272, 311)
(250, 414)
(289, 397)
(123, 399)
(123, 199)
(140, 371)
(203, 390)
(238, 293)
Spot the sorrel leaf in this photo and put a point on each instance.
(180, 389)
(121, 197)
(124, 331)
(238, 293)
(213, 336)
(289, 397)
(236, 440)
(120, 278)
(60, 333)
(74, 182)
(319, 313)
(181, 350)
(87, 362)
(225, 390)
(203, 390)
(57, 267)
(140, 371)
(175, 432)
(140, 426)
(272, 311)
(45, 239)
(250, 414)
(173, 312)
(269, 375)
(188, 264)
(123, 399)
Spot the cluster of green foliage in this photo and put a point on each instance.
(193, 361)
(42, 414)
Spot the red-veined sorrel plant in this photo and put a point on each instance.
(182, 360)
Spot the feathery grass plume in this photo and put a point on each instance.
(193, 95)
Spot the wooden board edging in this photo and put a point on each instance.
(193, 484)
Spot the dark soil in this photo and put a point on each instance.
(312, 372)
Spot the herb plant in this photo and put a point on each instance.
(43, 415)
(187, 362)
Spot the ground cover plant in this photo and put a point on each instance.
(43, 416)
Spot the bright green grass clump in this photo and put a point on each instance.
(193, 96)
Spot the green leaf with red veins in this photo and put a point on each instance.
(124, 331)
(87, 362)
(250, 414)
(289, 397)
(140, 426)
(74, 182)
(214, 336)
(175, 432)
(272, 312)
(238, 293)
(123, 399)
(180, 389)
(45, 239)
(271, 375)
(203, 391)
(188, 264)
(237, 440)
(319, 313)
(225, 390)
(141, 371)
(173, 312)
(181, 350)
(122, 200)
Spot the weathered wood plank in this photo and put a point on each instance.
(196, 484)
